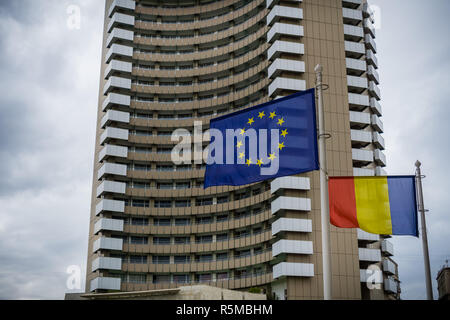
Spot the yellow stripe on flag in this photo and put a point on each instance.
(372, 204)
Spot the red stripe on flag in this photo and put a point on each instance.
(342, 199)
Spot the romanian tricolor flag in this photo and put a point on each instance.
(379, 205)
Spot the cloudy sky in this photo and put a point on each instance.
(48, 98)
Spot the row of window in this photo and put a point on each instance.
(188, 221)
(167, 240)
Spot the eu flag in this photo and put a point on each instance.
(274, 139)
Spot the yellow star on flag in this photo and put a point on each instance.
(272, 115)
(259, 162)
(261, 115)
(284, 133)
(272, 156)
(248, 162)
(281, 146)
(241, 155)
(242, 132)
(250, 121)
(280, 121)
(239, 144)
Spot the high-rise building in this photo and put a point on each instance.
(166, 64)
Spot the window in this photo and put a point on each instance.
(161, 222)
(181, 278)
(161, 240)
(182, 259)
(204, 220)
(222, 256)
(138, 240)
(204, 258)
(141, 167)
(204, 277)
(241, 234)
(222, 237)
(164, 168)
(161, 259)
(140, 185)
(182, 240)
(222, 276)
(138, 259)
(222, 199)
(203, 202)
(137, 278)
(257, 250)
(140, 203)
(139, 221)
(165, 186)
(182, 222)
(204, 239)
(183, 185)
(164, 150)
(163, 204)
(243, 253)
(161, 278)
(182, 203)
(223, 217)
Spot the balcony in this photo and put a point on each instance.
(353, 33)
(290, 203)
(369, 28)
(279, 47)
(366, 236)
(126, 5)
(354, 49)
(106, 263)
(387, 248)
(108, 225)
(110, 205)
(372, 59)
(120, 35)
(112, 151)
(292, 247)
(388, 266)
(120, 19)
(378, 140)
(370, 43)
(112, 134)
(114, 116)
(116, 99)
(375, 106)
(362, 157)
(374, 276)
(280, 12)
(374, 91)
(359, 120)
(380, 158)
(119, 51)
(116, 83)
(377, 124)
(293, 183)
(289, 84)
(104, 243)
(105, 283)
(118, 68)
(390, 285)
(293, 269)
(370, 255)
(353, 4)
(372, 74)
(111, 187)
(355, 67)
(363, 172)
(352, 16)
(360, 139)
(280, 65)
(271, 3)
(291, 225)
(112, 169)
(282, 29)
(358, 101)
(356, 84)
(379, 171)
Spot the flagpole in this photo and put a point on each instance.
(426, 256)
(324, 205)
